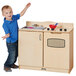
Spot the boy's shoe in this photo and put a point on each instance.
(15, 66)
(7, 69)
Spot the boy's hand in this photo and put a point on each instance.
(24, 10)
(28, 5)
(6, 36)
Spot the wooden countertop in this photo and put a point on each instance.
(68, 26)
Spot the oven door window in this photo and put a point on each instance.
(55, 42)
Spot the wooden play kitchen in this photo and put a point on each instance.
(44, 48)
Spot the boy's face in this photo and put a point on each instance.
(7, 13)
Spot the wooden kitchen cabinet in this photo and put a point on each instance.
(46, 50)
(30, 48)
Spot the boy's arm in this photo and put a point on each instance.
(24, 10)
(6, 36)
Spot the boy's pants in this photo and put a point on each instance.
(12, 54)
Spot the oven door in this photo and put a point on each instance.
(56, 50)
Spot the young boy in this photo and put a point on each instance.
(10, 27)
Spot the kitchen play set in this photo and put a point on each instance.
(46, 46)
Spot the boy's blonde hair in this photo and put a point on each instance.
(5, 7)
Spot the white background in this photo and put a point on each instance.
(40, 10)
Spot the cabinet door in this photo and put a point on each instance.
(30, 48)
(56, 50)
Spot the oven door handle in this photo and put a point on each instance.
(56, 32)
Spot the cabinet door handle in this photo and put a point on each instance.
(40, 37)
